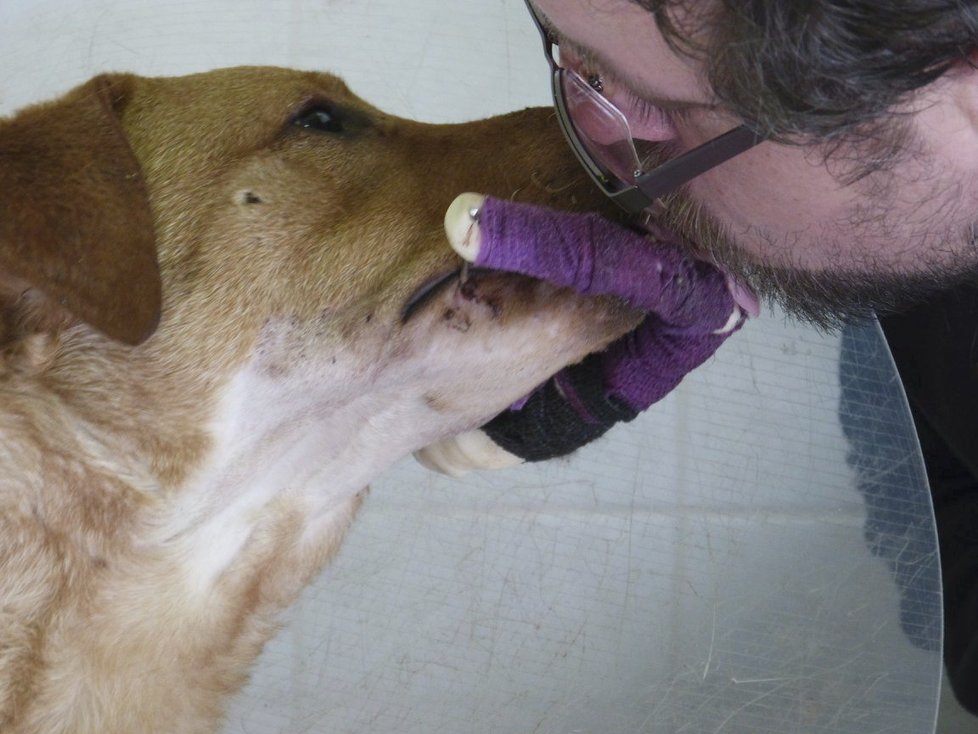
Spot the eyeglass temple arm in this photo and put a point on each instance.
(673, 174)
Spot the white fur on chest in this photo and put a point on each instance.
(287, 440)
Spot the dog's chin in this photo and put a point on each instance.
(501, 335)
(506, 334)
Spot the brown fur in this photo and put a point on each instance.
(142, 563)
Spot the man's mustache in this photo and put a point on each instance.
(826, 299)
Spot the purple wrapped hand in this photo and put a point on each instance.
(692, 308)
(690, 304)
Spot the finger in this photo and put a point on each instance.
(647, 364)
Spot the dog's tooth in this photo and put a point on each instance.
(458, 455)
(462, 225)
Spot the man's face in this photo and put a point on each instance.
(785, 215)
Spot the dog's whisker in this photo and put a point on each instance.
(474, 213)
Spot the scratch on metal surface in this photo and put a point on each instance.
(745, 706)
(713, 637)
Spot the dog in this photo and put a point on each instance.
(212, 339)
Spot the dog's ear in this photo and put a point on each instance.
(75, 220)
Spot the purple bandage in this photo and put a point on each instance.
(687, 300)
(596, 257)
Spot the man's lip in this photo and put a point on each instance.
(432, 287)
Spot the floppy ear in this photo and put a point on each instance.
(75, 221)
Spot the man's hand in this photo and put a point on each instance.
(692, 308)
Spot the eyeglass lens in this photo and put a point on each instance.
(600, 126)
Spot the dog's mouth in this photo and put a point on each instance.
(465, 278)
(469, 295)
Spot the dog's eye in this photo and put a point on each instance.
(322, 118)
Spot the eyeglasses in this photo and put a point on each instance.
(599, 134)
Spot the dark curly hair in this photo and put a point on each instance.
(832, 70)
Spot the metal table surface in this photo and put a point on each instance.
(756, 554)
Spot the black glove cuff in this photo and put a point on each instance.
(550, 425)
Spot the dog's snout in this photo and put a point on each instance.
(521, 156)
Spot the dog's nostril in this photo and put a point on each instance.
(249, 197)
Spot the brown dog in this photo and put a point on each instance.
(165, 492)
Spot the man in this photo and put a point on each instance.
(828, 156)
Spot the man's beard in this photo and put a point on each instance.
(826, 299)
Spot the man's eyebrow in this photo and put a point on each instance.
(593, 60)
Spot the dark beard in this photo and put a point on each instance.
(825, 299)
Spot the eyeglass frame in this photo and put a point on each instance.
(662, 179)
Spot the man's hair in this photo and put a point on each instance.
(829, 70)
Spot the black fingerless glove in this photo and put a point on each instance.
(570, 410)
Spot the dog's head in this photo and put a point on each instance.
(197, 266)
